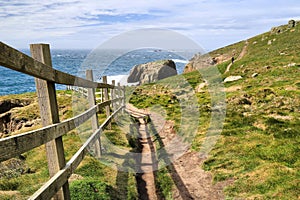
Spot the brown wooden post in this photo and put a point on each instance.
(102, 95)
(94, 118)
(49, 114)
(124, 98)
(107, 108)
(119, 94)
(113, 95)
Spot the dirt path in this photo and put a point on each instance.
(146, 187)
(243, 52)
(147, 161)
(197, 181)
(191, 181)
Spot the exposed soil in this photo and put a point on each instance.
(198, 182)
(9, 193)
(146, 184)
(147, 161)
(191, 181)
(243, 52)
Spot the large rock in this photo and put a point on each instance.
(292, 23)
(198, 62)
(152, 71)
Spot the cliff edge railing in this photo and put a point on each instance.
(40, 67)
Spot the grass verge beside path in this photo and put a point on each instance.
(92, 179)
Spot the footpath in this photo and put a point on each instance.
(190, 180)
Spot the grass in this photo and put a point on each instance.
(259, 144)
(164, 183)
(95, 175)
(90, 189)
(257, 150)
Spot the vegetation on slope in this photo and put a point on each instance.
(259, 144)
(21, 177)
(258, 147)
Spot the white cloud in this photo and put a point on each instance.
(79, 23)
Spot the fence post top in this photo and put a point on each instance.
(40, 44)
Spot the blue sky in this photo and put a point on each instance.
(88, 23)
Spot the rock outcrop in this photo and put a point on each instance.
(199, 61)
(8, 104)
(10, 118)
(232, 78)
(279, 29)
(292, 23)
(152, 71)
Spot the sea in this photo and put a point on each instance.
(113, 63)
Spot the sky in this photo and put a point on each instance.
(86, 24)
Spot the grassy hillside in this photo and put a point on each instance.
(258, 148)
(21, 177)
(260, 142)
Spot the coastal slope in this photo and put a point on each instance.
(257, 149)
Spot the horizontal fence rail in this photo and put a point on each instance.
(84, 92)
(15, 145)
(57, 181)
(50, 135)
(16, 60)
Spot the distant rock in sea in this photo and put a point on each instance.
(152, 71)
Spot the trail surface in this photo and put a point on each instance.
(147, 161)
(241, 55)
(190, 180)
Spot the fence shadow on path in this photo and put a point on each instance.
(165, 156)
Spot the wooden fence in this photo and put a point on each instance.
(40, 66)
(84, 91)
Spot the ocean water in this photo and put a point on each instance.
(104, 62)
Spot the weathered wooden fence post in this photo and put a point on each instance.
(124, 99)
(102, 95)
(113, 95)
(107, 108)
(49, 114)
(94, 118)
(119, 92)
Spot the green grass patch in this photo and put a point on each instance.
(90, 190)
